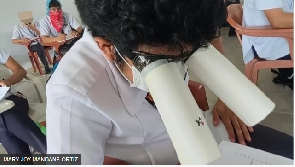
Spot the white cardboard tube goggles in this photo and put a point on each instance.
(244, 98)
(186, 126)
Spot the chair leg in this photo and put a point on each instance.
(36, 59)
(255, 76)
(48, 57)
(249, 69)
(32, 62)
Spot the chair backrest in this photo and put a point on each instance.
(29, 48)
(235, 18)
(235, 15)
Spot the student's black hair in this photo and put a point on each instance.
(129, 23)
(54, 3)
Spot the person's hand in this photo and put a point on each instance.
(20, 95)
(232, 123)
(4, 83)
(32, 27)
(61, 37)
(74, 34)
(25, 40)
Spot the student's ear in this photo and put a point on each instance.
(106, 47)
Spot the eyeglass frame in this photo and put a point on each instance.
(142, 59)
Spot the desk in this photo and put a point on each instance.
(56, 46)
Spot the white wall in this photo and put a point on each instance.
(9, 18)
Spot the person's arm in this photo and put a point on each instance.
(19, 73)
(273, 10)
(74, 24)
(73, 126)
(47, 39)
(34, 28)
(20, 41)
(17, 37)
(218, 44)
(234, 126)
(279, 19)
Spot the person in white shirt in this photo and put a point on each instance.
(97, 103)
(278, 14)
(57, 24)
(17, 130)
(23, 34)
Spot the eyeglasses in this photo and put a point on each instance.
(142, 59)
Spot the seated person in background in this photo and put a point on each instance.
(17, 130)
(25, 33)
(278, 14)
(106, 115)
(56, 25)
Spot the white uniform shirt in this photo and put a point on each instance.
(269, 48)
(46, 29)
(3, 56)
(3, 59)
(20, 32)
(93, 111)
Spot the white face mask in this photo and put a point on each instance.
(139, 81)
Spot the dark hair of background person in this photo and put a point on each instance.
(130, 23)
(54, 3)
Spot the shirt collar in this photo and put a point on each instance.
(132, 98)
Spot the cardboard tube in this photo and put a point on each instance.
(191, 137)
(244, 98)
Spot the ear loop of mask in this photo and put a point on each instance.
(122, 57)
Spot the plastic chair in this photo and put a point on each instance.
(235, 18)
(6, 105)
(199, 93)
(47, 49)
(34, 58)
(55, 46)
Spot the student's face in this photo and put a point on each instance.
(55, 9)
(110, 53)
(27, 24)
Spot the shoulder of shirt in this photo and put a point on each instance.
(45, 19)
(66, 14)
(82, 67)
(36, 22)
(3, 56)
(17, 27)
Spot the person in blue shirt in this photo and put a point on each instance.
(278, 14)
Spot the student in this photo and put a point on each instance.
(96, 101)
(57, 24)
(25, 33)
(278, 14)
(17, 130)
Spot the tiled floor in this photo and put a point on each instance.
(281, 118)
